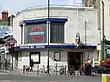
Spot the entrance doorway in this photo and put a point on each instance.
(75, 60)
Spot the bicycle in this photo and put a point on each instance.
(71, 71)
(62, 70)
(43, 71)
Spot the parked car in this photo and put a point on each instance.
(106, 64)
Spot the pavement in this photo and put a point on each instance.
(18, 72)
(22, 78)
(15, 71)
(17, 76)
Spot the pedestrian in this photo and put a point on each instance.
(31, 64)
(5, 64)
(82, 70)
(88, 67)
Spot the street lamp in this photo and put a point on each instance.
(48, 22)
(102, 42)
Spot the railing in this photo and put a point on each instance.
(61, 70)
(53, 70)
(8, 66)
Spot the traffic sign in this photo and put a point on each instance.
(10, 41)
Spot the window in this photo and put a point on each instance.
(57, 56)
(37, 31)
(21, 34)
(35, 56)
(57, 33)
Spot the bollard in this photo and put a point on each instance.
(105, 77)
(23, 69)
(37, 69)
(65, 70)
(56, 69)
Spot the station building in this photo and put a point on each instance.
(72, 36)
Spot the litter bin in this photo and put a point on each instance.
(105, 77)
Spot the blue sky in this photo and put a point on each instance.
(14, 6)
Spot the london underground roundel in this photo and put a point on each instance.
(10, 41)
(37, 33)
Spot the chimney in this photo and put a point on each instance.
(5, 15)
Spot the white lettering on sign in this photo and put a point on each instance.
(31, 46)
(22, 47)
(40, 46)
(28, 47)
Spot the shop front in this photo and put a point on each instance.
(66, 55)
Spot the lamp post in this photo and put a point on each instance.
(48, 22)
(102, 42)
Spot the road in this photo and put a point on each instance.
(5, 77)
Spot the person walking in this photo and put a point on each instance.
(88, 67)
(31, 64)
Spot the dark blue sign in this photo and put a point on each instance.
(30, 47)
(50, 46)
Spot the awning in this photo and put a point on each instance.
(44, 20)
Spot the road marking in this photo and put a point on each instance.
(3, 73)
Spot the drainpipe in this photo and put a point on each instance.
(85, 33)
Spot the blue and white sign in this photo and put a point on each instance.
(50, 46)
(36, 33)
(31, 47)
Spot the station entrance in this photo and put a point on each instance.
(75, 60)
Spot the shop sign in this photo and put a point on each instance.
(37, 33)
(31, 47)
